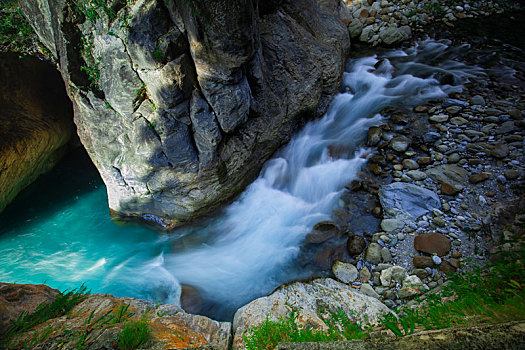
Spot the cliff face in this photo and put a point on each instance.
(35, 122)
(179, 103)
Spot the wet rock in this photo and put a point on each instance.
(191, 299)
(373, 253)
(321, 232)
(432, 243)
(323, 258)
(399, 143)
(355, 245)
(344, 272)
(477, 178)
(500, 150)
(374, 136)
(422, 261)
(309, 300)
(406, 201)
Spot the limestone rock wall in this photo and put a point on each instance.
(35, 122)
(179, 103)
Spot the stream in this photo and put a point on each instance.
(58, 231)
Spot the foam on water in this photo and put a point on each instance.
(250, 247)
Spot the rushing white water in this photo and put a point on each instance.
(250, 248)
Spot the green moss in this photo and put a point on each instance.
(16, 35)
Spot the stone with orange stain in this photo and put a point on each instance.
(96, 317)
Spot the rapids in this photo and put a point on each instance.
(59, 232)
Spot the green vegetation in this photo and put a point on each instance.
(133, 335)
(270, 333)
(16, 34)
(62, 304)
(484, 295)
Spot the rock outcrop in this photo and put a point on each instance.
(97, 321)
(179, 103)
(310, 301)
(35, 122)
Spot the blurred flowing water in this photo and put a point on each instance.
(58, 231)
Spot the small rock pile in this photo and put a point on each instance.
(392, 21)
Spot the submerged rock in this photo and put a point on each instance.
(309, 300)
(179, 111)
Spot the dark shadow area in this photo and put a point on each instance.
(73, 176)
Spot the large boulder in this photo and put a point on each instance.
(309, 300)
(407, 202)
(36, 122)
(179, 103)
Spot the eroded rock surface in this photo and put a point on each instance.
(96, 322)
(310, 301)
(180, 103)
(36, 122)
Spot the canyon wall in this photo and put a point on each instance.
(179, 103)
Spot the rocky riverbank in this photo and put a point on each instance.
(444, 185)
(393, 21)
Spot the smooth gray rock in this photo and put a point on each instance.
(309, 300)
(344, 272)
(179, 111)
(407, 202)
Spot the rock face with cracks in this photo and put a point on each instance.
(179, 103)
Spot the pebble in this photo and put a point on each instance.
(436, 259)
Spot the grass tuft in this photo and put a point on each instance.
(133, 335)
